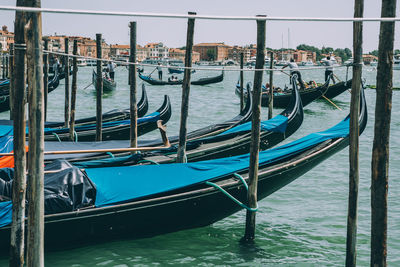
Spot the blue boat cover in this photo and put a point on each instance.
(6, 130)
(276, 124)
(5, 213)
(6, 144)
(122, 184)
(153, 117)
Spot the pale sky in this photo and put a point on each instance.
(172, 32)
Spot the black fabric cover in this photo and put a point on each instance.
(66, 188)
(6, 176)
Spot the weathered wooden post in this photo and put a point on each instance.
(3, 66)
(46, 75)
(7, 64)
(380, 149)
(73, 91)
(11, 66)
(99, 89)
(35, 242)
(132, 82)
(271, 85)
(255, 131)
(17, 247)
(66, 79)
(181, 154)
(351, 253)
(241, 82)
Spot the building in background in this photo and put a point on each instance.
(6, 38)
(179, 54)
(212, 51)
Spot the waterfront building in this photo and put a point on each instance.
(6, 38)
(212, 51)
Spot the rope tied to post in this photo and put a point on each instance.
(232, 197)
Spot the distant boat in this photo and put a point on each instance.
(307, 63)
(81, 62)
(335, 63)
(282, 63)
(108, 84)
(396, 62)
(91, 62)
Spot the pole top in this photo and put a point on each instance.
(192, 13)
(261, 16)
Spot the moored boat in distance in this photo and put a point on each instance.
(81, 62)
(396, 62)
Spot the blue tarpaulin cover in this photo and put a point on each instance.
(122, 184)
(5, 213)
(6, 130)
(6, 144)
(155, 116)
(149, 118)
(276, 124)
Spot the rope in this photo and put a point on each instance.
(147, 160)
(232, 197)
(58, 138)
(110, 154)
(186, 16)
(76, 136)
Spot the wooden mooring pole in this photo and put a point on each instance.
(35, 242)
(351, 241)
(255, 132)
(99, 89)
(380, 149)
(66, 79)
(132, 82)
(7, 64)
(11, 66)
(73, 91)
(271, 85)
(17, 246)
(241, 81)
(3, 65)
(46, 75)
(181, 153)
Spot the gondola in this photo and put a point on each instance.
(143, 201)
(113, 130)
(208, 131)
(108, 84)
(234, 141)
(201, 81)
(307, 95)
(5, 92)
(112, 115)
(177, 70)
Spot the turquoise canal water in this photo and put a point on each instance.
(303, 224)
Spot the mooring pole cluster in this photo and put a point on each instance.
(28, 45)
